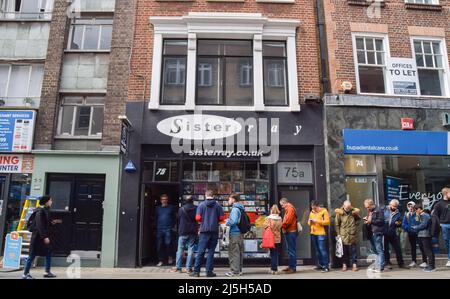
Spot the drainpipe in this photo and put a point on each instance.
(324, 80)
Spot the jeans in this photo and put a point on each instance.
(164, 244)
(393, 239)
(274, 257)
(446, 237)
(291, 244)
(236, 253)
(207, 241)
(183, 243)
(350, 255)
(30, 259)
(320, 245)
(428, 251)
(377, 241)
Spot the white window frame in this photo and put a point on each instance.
(245, 78)
(204, 75)
(387, 55)
(445, 63)
(72, 29)
(433, 2)
(239, 26)
(28, 83)
(75, 110)
(179, 78)
(8, 10)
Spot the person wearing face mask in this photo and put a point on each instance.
(409, 220)
(392, 221)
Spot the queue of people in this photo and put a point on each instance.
(201, 225)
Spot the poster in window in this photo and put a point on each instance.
(250, 187)
(404, 75)
(200, 188)
(225, 188)
(262, 187)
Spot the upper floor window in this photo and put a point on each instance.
(370, 64)
(430, 66)
(90, 34)
(81, 116)
(174, 68)
(423, 1)
(26, 9)
(21, 81)
(224, 72)
(275, 73)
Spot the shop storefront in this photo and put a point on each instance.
(285, 159)
(370, 156)
(16, 166)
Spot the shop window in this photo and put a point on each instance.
(174, 72)
(81, 116)
(275, 73)
(370, 58)
(160, 171)
(430, 65)
(222, 65)
(26, 9)
(61, 192)
(90, 34)
(19, 81)
(19, 189)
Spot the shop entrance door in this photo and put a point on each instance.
(300, 197)
(149, 201)
(359, 188)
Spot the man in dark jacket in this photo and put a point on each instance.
(40, 238)
(423, 232)
(374, 222)
(187, 235)
(392, 221)
(409, 220)
(165, 224)
(209, 214)
(442, 211)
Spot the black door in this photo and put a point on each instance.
(88, 214)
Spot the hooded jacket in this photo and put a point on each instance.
(346, 224)
(186, 220)
(322, 219)
(234, 219)
(423, 228)
(209, 214)
(409, 220)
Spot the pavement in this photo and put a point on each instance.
(303, 272)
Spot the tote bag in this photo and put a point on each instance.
(268, 239)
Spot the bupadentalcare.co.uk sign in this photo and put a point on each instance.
(16, 163)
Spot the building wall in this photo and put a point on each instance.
(395, 16)
(307, 45)
(96, 5)
(86, 163)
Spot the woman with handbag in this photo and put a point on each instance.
(272, 237)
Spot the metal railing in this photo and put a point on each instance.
(14, 15)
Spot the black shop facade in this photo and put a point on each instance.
(262, 156)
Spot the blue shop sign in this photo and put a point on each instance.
(396, 142)
(13, 249)
(16, 130)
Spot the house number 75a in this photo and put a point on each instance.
(294, 172)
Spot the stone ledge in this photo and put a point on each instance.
(419, 6)
(365, 2)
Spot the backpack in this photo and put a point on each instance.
(244, 223)
(31, 224)
(268, 239)
(435, 226)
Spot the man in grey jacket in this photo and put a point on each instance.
(423, 233)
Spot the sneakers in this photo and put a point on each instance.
(355, 268)
(188, 270)
(231, 274)
(429, 269)
(325, 270)
(448, 264)
(376, 270)
(272, 272)
(211, 274)
(176, 270)
(423, 265)
(49, 275)
(412, 265)
(27, 276)
(160, 264)
(194, 274)
(290, 271)
(344, 268)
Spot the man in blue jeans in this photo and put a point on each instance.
(442, 211)
(289, 227)
(187, 235)
(209, 215)
(165, 224)
(374, 223)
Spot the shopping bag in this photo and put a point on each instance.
(339, 247)
(268, 239)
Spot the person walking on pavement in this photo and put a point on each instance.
(187, 235)
(289, 227)
(442, 211)
(409, 220)
(209, 215)
(40, 244)
(392, 221)
(165, 225)
(319, 219)
(374, 223)
(274, 221)
(236, 244)
(423, 232)
(346, 223)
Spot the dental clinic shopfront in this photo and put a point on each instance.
(261, 156)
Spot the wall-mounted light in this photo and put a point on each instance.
(347, 86)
